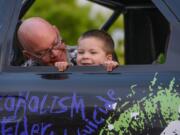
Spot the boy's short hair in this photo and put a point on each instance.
(102, 35)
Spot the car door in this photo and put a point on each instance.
(133, 99)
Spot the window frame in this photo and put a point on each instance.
(94, 69)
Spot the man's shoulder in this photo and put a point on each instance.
(72, 51)
(71, 48)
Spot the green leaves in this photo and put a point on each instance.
(70, 18)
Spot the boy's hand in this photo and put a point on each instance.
(62, 66)
(110, 65)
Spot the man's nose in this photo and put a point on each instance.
(54, 53)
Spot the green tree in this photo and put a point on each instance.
(70, 18)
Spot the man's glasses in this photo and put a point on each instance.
(57, 45)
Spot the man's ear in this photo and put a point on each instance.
(27, 54)
(109, 56)
(56, 29)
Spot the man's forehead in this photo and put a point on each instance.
(39, 34)
(44, 41)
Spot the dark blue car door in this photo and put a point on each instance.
(137, 99)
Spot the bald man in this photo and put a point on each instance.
(42, 43)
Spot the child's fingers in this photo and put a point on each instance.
(62, 66)
(115, 65)
(110, 65)
(57, 64)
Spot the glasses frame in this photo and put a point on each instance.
(55, 46)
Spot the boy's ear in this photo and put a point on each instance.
(109, 57)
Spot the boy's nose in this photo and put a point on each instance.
(86, 55)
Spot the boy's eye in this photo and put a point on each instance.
(80, 52)
(93, 52)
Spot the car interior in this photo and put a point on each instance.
(145, 28)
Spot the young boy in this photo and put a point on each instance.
(95, 47)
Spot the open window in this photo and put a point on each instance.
(146, 31)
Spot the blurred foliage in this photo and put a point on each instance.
(161, 58)
(72, 20)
